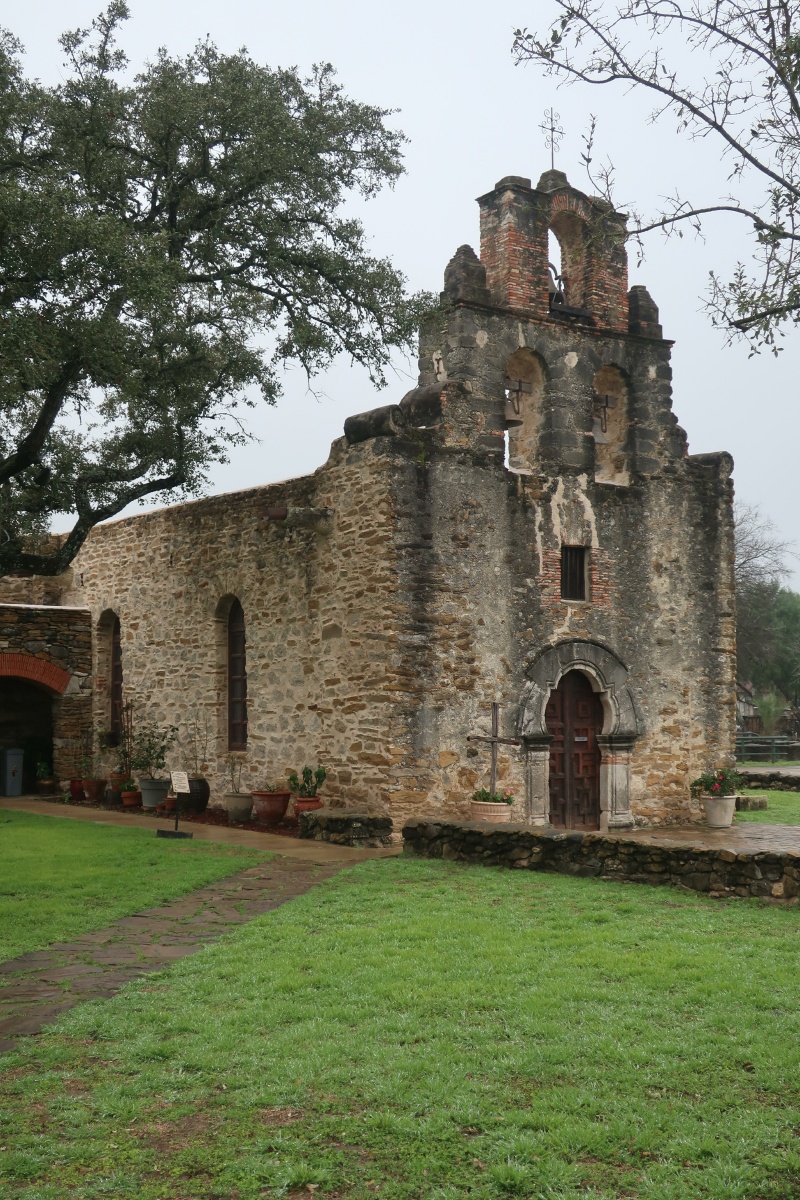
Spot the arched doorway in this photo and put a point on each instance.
(26, 722)
(574, 719)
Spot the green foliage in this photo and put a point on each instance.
(44, 770)
(150, 745)
(484, 796)
(62, 878)
(311, 781)
(426, 1029)
(768, 633)
(168, 243)
(723, 781)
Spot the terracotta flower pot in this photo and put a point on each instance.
(94, 790)
(498, 814)
(46, 787)
(132, 799)
(306, 804)
(76, 790)
(270, 807)
(719, 810)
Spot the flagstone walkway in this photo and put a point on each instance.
(36, 987)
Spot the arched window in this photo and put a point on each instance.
(237, 679)
(116, 679)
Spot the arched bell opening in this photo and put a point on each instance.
(569, 231)
(610, 426)
(525, 383)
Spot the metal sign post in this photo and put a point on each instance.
(180, 784)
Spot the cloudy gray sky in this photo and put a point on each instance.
(472, 117)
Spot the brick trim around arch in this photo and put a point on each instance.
(26, 666)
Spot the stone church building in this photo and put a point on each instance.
(525, 527)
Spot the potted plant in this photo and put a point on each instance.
(93, 785)
(716, 791)
(124, 744)
(151, 744)
(45, 783)
(239, 804)
(305, 789)
(195, 761)
(270, 803)
(131, 796)
(491, 806)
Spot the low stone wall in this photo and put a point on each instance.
(346, 828)
(716, 872)
(772, 781)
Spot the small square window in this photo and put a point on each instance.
(574, 572)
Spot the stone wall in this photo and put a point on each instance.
(319, 603)
(720, 873)
(343, 828)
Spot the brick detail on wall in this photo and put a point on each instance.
(25, 666)
(601, 593)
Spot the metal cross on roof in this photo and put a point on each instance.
(494, 740)
(553, 133)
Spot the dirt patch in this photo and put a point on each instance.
(281, 1116)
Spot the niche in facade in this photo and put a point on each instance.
(610, 426)
(524, 393)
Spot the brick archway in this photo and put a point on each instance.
(25, 666)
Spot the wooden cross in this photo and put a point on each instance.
(495, 740)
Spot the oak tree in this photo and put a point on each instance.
(167, 242)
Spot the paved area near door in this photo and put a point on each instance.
(36, 987)
(747, 838)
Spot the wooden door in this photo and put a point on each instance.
(574, 718)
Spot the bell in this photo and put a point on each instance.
(511, 410)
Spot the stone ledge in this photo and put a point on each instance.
(716, 871)
(345, 828)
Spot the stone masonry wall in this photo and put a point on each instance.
(318, 603)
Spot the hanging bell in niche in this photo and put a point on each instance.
(515, 390)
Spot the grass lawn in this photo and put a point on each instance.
(783, 808)
(415, 1029)
(61, 878)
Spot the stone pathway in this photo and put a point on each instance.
(36, 987)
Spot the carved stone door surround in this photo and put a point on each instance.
(622, 724)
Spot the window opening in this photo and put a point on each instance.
(573, 573)
(237, 679)
(116, 680)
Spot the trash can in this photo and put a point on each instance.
(11, 778)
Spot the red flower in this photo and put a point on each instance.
(715, 788)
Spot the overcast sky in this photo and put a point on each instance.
(472, 117)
